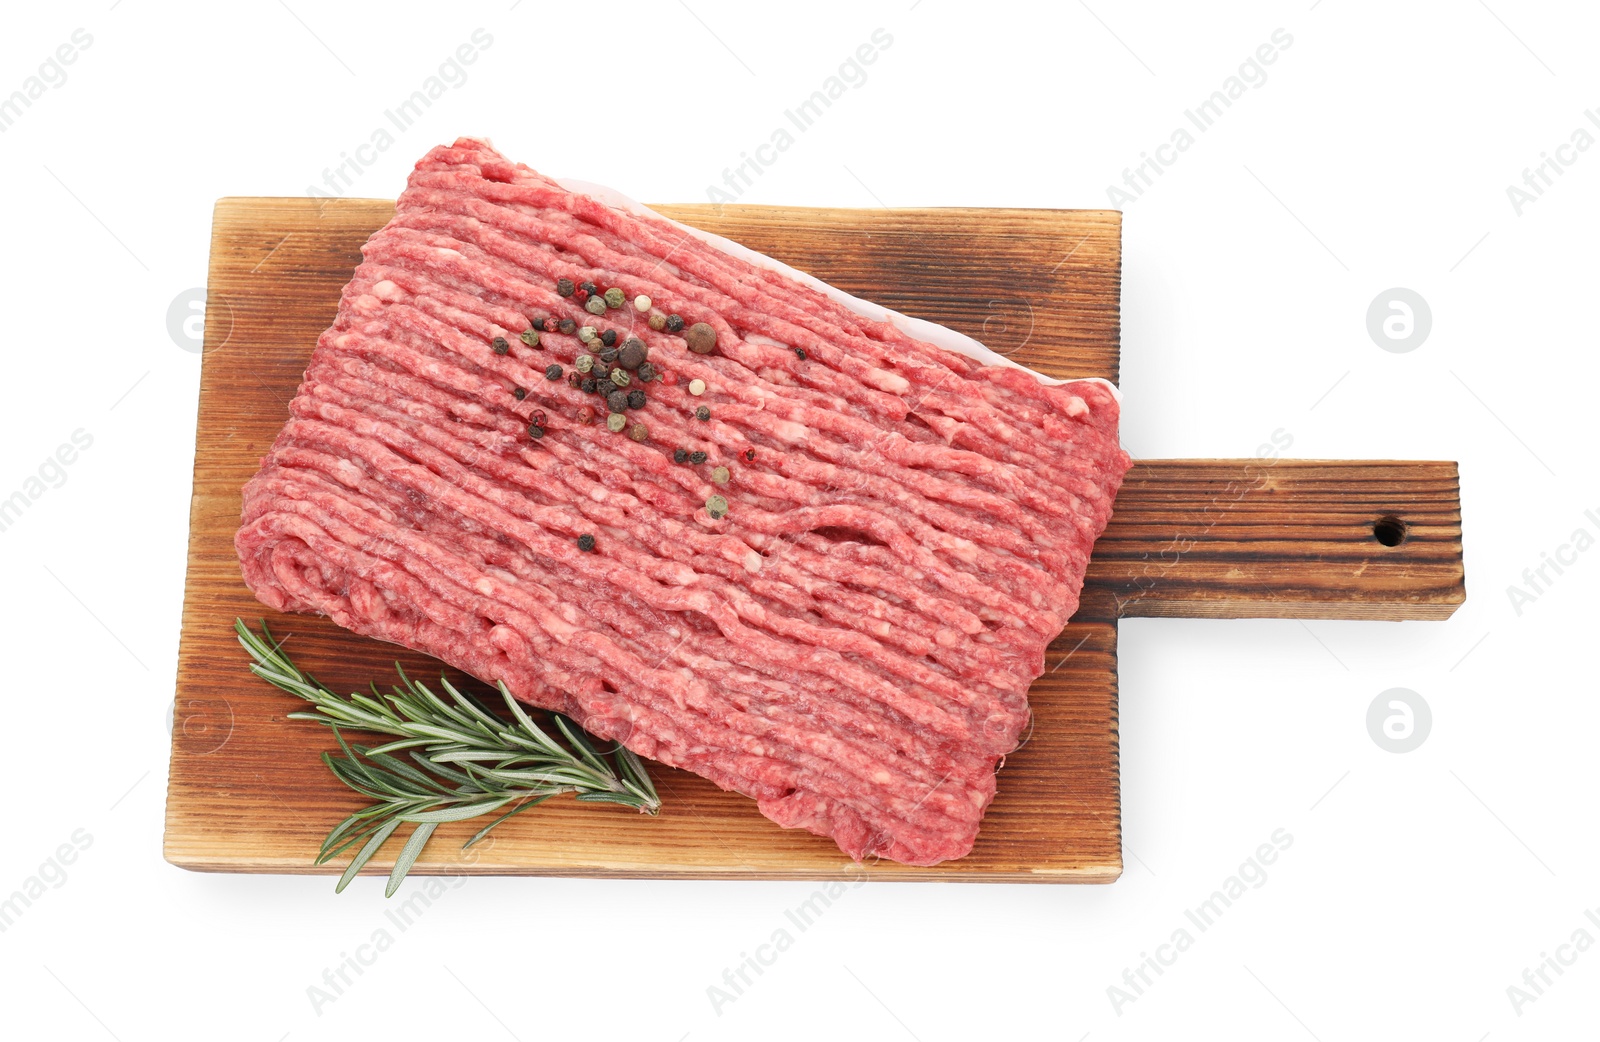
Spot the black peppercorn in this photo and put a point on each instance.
(609, 338)
(646, 373)
(680, 456)
(617, 401)
(674, 323)
(636, 399)
(697, 458)
(501, 345)
(588, 385)
(568, 326)
(586, 543)
(702, 413)
(553, 373)
(564, 287)
(519, 393)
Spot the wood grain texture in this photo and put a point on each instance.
(1190, 537)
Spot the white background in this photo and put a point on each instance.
(1376, 154)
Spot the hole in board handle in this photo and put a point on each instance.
(1390, 531)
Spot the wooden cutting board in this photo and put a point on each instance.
(1213, 538)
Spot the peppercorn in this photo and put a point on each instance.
(615, 298)
(702, 338)
(632, 353)
(501, 347)
(564, 287)
(641, 303)
(583, 363)
(595, 306)
(538, 417)
(697, 387)
(530, 337)
(646, 372)
(585, 414)
(697, 457)
(609, 338)
(620, 377)
(800, 353)
(750, 455)
(589, 385)
(639, 432)
(552, 372)
(617, 401)
(636, 399)
(657, 321)
(680, 456)
(519, 393)
(580, 295)
(702, 413)
(589, 287)
(545, 325)
(720, 475)
(717, 507)
(586, 543)
(535, 431)
(674, 323)
(601, 371)
(586, 333)
(615, 422)
(568, 326)
(574, 378)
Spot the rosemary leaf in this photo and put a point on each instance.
(443, 759)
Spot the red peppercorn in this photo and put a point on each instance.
(585, 414)
(670, 379)
(580, 295)
(539, 417)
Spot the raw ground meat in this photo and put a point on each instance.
(851, 645)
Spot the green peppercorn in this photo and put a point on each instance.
(500, 345)
(717, 507)
(595, 306)
(636, 399)
(680, 456)
(697, 457)
(620, 377)
(583, 363)
(615, 298)
(674, 323)
(615, 422)
(553, 372)
(639, 432)
(586, 543)
(530, 337)
(720, 475)
(586, 334)
(519, 393)
(702, 413)
(657, 321)
(568, 326)
(565, 287)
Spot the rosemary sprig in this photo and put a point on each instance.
(461, 760)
